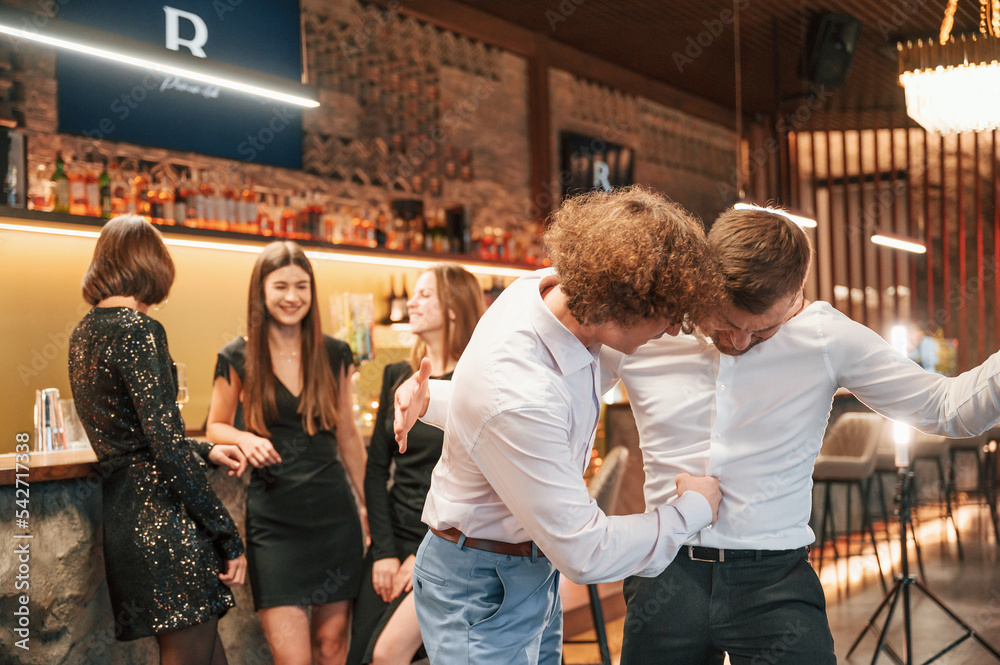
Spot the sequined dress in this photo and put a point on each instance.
(304, 540)
(166, 533)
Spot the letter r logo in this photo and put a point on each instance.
(174, 41)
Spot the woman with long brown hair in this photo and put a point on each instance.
(446, 305)
(304, 536)
(171, 550)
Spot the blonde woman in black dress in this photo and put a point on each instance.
(446, 305)
(170, 548)
(304, 536)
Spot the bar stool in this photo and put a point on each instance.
(848, 458)
(975, 446)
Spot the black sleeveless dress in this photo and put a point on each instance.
(304, 540)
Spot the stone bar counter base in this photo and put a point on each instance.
(70, 620)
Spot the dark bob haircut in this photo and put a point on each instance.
(130, 259)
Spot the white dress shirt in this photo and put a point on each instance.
(520, 426)
(756, 421)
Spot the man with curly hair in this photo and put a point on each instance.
(508, 508)
(749, 405)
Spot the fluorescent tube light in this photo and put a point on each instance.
(96, 43)
(798, 219)
(315, 254)
(899, 242)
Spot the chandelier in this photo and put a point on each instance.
(953, 84)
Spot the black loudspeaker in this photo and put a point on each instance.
(835, 37)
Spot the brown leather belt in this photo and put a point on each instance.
(495, 546)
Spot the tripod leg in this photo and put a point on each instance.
(889, 597)
(882, 643)
(954, 617)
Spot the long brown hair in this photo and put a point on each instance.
(459, 293)
(318, 401)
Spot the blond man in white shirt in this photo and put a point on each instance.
(750, 406)
(508, 507)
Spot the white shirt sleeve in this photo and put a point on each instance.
(895, 386)
(524, 456)
(437, 408)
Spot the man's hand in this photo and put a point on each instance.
(706, 486)
(412, 398)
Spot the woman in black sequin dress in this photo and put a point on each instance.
(170, 548)
(446, 305)
(304, 536)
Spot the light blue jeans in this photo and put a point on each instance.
(481, 608)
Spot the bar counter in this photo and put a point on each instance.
(68, 610)
(56, 465)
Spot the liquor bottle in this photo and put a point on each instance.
(166, 196)
(196, 202)
(140, 193)
(104, 191)
(181, 200)
(60, 183)
(265, 218)
(404, 298)
(93, 191)
(227, 202)
(247, 208)
(458, 229)
(77, 188)
(288, 219)
(41, 193)
(206, 201)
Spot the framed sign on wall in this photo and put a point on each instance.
(114, 102)
(588, 162)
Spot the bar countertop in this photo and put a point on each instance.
(54, 465)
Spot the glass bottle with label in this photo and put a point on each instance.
(60, 183)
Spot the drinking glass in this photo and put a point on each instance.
(182, 386)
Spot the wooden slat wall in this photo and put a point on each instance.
(942, 190)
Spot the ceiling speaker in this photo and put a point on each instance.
(834, 41)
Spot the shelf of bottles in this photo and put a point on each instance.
(229, 204)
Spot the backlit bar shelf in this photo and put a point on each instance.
(54, 223)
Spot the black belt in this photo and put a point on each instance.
(713, 555)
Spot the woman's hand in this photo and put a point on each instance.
(403, 581)
(258, 450)
(383, 575)
(236, 571)
(228, 455)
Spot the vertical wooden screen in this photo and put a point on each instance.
(943, 191)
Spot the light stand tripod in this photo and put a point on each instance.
(902, 589)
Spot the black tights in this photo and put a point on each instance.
(194, 645)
